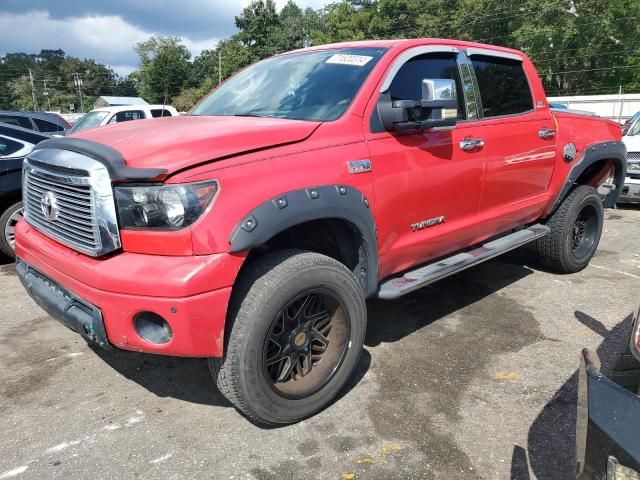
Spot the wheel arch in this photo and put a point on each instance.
(332, 219)
(596, 162)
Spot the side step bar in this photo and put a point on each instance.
(414, 279)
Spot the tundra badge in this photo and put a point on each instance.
(427, 223)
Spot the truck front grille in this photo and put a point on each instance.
(63, 211)
(68, 197)
(634, 155)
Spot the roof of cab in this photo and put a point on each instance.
(407, 43)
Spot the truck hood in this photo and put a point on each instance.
(174, 143)
(632, 143)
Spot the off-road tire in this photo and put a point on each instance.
(555, 250)
(262, 290)
(5, 246)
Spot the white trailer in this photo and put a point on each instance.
(615, 107)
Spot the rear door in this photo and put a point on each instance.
(519, 138)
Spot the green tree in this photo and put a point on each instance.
(164, 68)
(260, 28)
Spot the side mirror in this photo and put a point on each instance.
(438, 107)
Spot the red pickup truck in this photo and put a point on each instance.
(252, 230)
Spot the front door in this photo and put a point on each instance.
(427, 188)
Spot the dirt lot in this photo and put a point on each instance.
(474, 377)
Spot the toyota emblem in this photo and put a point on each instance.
(49, 205)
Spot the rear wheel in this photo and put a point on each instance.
(576, 227)
(295, 332)
(8, 221)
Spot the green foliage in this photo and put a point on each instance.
(578, 46)
(164, 68)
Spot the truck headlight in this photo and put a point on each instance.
(163, 207)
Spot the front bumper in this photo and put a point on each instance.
(189, 293)
(630, 191)
(607, 426)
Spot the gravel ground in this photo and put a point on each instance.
(474, 377)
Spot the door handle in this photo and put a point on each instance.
(547, 133)
(469, 144)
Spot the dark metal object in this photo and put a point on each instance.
(608, 422)
(63, 305)
(306, 344)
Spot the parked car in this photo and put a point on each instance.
(608, 415)
(15, 144)
(631, 189)
(45, 122)
(252, 230)
(108, 115)
(558, 106)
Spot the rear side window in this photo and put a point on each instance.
(45, 126)
(504, 88)
(16, 120)
(127, 116)
(159, 112)
(7, 147)
(407, 84)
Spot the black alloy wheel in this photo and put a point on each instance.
(306, 344)
(584, 232)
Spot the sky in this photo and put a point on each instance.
(107, 30)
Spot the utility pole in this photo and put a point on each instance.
(33, 91)
(219, 66)
(78, 82)
(45, 92)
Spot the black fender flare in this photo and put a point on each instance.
(314, 203)
(614, 151)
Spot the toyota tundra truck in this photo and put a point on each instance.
(252, 230)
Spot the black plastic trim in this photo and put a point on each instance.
(607, 423)
(109, 157)
(66, 307)
(615, 151)
(314, 203)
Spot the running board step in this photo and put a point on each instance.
(414, 279)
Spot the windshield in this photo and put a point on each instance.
(90, 120)
(301, 86)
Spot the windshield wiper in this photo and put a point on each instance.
(248, 114)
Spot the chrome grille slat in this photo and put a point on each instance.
(63, 186)
(85, 200)
(65, 228)
(78, 211)
(68, 207)
(62, 231)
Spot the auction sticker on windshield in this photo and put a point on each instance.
(356, 60)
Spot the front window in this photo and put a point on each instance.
(635, 129)
(316, 85)
(90, 120)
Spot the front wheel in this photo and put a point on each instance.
(296, 328)
(576, 227)
(8, 221)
